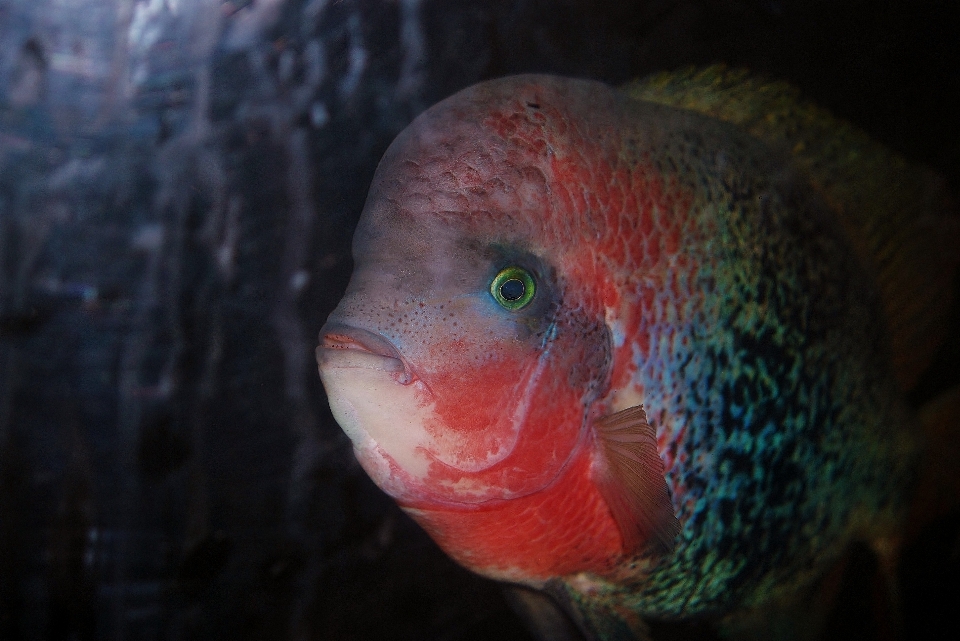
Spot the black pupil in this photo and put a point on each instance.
(512, 289)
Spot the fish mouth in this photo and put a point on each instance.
(346, 346)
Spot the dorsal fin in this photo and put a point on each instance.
(632, 482)
(897, 215)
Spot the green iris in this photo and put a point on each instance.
(513, 288)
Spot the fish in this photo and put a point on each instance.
(645, 350)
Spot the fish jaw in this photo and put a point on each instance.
(380, 405)
(391, 416)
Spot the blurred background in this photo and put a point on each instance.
(179, 182)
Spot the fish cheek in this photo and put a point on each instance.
(483, 369)
(478, 383)
(588, 367)
(472, 432)
(576, 374)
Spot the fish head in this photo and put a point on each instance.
(461, 361)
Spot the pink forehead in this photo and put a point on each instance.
(490, 162)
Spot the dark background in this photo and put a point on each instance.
(179, 182)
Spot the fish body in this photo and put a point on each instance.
(627, 350)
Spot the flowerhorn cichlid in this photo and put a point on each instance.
(646, 349)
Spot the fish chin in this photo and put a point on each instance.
(382, 417)
(390, 416)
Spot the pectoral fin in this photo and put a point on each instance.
(631, 479)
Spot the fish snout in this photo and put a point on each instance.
(346, 346)
(379, 404)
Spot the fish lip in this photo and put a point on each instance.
(348, 346)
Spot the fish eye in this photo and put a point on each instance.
(513, 288)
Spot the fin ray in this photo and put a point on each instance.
(633, 481)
